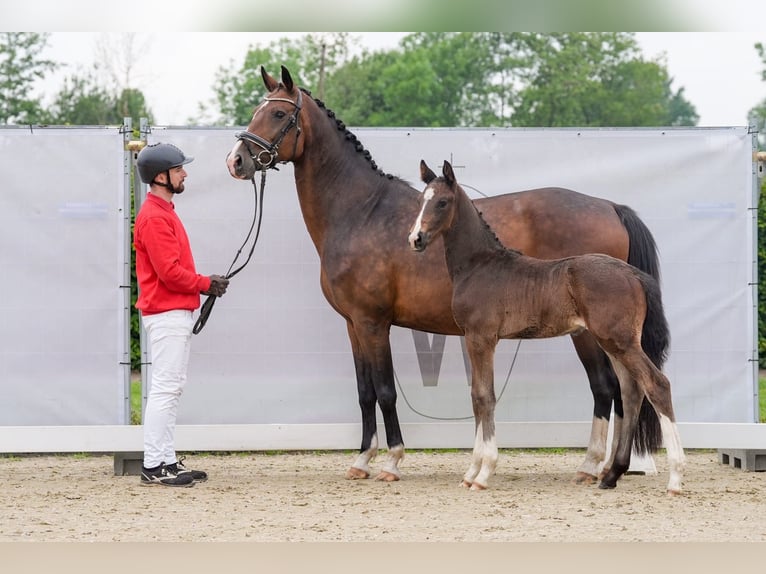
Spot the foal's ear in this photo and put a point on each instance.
(425, 173)
(270, 83)
(287, 79)
(448, 174)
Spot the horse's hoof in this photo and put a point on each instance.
(477, 486)
(674, 492)
(354, 473)
(465, 484)
(386, 476)
(584, 478)
(607, 485)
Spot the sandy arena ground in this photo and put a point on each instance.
(304, 497)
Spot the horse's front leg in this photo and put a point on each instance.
(375, 382)
(481, 351)
(385, 389)
(367, 400)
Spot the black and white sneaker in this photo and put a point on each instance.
(162, 475)
(180, 469)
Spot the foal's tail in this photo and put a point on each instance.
(655, 338)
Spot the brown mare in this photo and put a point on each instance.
(357, 217)
(499, 293)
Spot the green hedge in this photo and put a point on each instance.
(762, 276)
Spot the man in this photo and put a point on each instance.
(169, 291)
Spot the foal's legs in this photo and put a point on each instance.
(481, 351)
(604, 386)
(623, 433)
(375, 385)
(650, 381)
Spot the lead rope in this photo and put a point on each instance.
(500, 396)
(207, 306)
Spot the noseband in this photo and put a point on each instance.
(270, 150)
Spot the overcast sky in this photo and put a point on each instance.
(720, 71)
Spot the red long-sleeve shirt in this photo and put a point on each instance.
(167, 278)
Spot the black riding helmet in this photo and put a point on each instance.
(156, 158)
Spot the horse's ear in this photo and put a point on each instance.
(425, 173)
(448, 174)
(287, 79)
(270, 83)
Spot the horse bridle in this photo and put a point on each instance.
(269, 150)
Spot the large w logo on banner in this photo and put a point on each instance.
(430, 357)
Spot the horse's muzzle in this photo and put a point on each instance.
(240, 165)
(418, 241)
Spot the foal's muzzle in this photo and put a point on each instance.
(418, 241)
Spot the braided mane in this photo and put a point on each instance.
(358, 146)
(489, 230)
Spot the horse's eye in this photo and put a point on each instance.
(279, 114)
(441, 204)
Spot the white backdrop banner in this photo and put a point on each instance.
(63, 260)
(274, 351)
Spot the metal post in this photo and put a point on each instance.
(126, 268)
(139, 194)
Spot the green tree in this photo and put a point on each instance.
(82, 100)
(595, 79)
(20, 66)
(432, 79)
(499, 79)
(386, 89)
(310, 59)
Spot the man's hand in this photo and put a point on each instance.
(218, 286)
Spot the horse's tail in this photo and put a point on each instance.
(655, 338)
(642, 250)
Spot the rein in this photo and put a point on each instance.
(207, 306)
(268, 152)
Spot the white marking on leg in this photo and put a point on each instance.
(364, 458)
(676, 457)
(488, 449)
(473, 470)
(594, 458)
(395, 455)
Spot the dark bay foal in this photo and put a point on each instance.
(499, 293)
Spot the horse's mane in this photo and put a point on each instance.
(350, 137)
(490, 232)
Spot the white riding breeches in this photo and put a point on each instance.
(170, 339)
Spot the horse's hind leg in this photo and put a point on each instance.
(605, 387)
(481, 351)
(650, 381)
(657, 388)
(623, 433)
